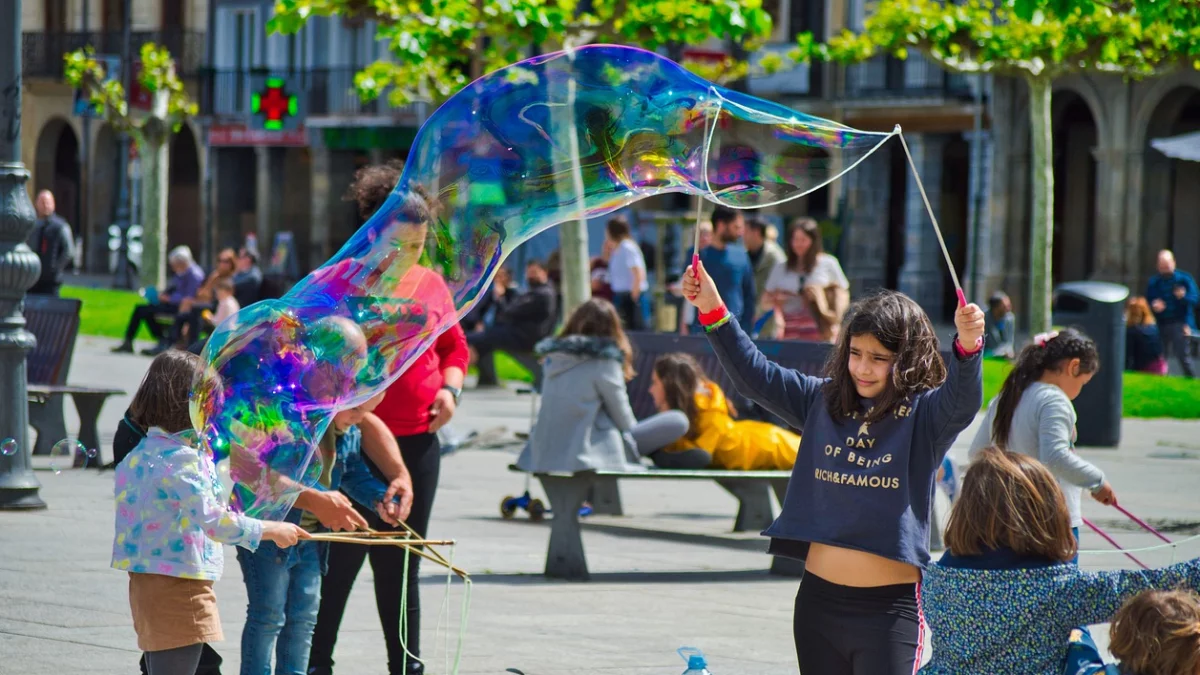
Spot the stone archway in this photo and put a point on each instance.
(1170, 205)
(184, 224)
(1076, 137)
(57, 168)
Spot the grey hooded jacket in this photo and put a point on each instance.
(585, 417)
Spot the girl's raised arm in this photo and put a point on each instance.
(786, 392)
(783, 391)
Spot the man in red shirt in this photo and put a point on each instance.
(416, 405)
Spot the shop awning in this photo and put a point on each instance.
(1184, 146)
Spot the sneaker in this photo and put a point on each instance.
(157, 349)
(123, 348)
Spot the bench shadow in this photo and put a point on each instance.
(678, 577)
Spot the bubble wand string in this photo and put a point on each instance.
(962, 298)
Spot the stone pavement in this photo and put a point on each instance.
(669, 574)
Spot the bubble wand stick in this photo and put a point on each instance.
(962, 298)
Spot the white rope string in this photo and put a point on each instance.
(929, 208)
(1145, 549)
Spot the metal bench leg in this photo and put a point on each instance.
(779, 487)
(565, 558)
(47, 418)
(88, 406)
(606, 497)
(786, 567)
(754, 504)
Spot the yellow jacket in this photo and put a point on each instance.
(741, 445)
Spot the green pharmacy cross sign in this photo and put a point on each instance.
(275, 105)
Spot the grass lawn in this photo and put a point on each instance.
(1144, 395)
(106, 313)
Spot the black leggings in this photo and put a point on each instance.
(422, 456)
(843, 630)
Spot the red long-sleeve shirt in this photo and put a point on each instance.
(405, 408)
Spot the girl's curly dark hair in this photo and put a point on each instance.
(374, 184)
(902, 327)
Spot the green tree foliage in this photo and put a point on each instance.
(1038, 41)
(151, 131)
(438, 46)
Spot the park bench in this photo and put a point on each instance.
(752, 489)
(55, 324)
(565, 557)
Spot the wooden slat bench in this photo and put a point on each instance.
(565, 557)
(55, 324)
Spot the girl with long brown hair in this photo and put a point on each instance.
(715, 437)
(1005, 596)
(586, 421)
(809, 291)
(857, 508)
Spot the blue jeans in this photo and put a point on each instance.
(284, 591)
(1075, 531)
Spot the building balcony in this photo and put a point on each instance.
(42, 53)
(886, 77)
(322, 92)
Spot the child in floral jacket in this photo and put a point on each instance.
(171, 521)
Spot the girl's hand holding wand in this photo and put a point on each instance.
(699, 288)
(283, 534)
(969, 320)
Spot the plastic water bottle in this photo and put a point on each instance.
(695, 661)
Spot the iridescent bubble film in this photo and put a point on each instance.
(554, 138)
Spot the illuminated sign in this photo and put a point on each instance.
(275, 105)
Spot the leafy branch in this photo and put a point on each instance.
(171, 105)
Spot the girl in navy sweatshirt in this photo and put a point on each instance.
(857, 508)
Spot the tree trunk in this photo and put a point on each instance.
(573, 234)
(1041, 222)
(153, 150)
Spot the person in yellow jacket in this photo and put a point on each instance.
(715, 439)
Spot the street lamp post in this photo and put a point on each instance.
(19, 269)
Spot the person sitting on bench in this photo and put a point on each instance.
(519, 323)
(714, 439)
(185, 285)
(586, 422)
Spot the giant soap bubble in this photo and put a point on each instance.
(496, 164)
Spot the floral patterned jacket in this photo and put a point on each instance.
(171, 515)
(1018, 621)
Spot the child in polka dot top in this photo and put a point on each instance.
(1005, 597)
(171, 521)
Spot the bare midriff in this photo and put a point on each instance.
(847, 567)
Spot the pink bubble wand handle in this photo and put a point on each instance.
(1114, 543)
(1142, 523)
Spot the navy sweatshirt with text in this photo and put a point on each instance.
(867, 487)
